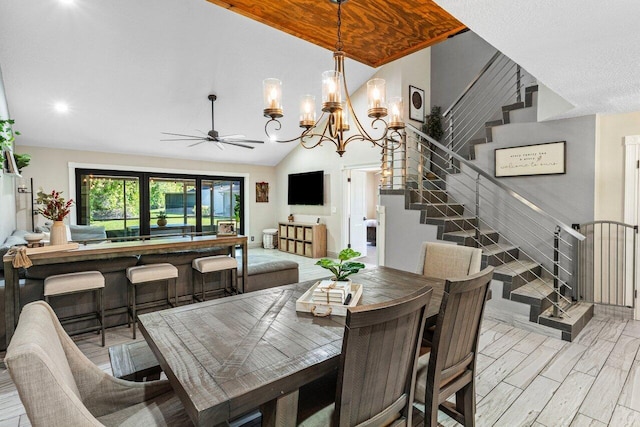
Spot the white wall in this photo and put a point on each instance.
(7, 183)
(411, 70)
(609, 163)
(49, 169)
(371, 197)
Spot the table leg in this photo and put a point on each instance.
(11, 299)
(281, 412)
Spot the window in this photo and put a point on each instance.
(138, 203)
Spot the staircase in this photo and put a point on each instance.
(533, 254)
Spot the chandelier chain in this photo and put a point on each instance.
(339, 44)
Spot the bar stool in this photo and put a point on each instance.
(142, 274)
(72, 283)
(210, 264)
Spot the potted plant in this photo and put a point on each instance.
(22, 161)
(53, 207)
(344, 268)
(7, 136)
(162, 218)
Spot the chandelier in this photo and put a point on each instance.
(333, 124)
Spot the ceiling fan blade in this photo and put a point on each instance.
(184, 139)
(251, 141)
(235, 136)
(197, 143)
(236, 144)
(180, 134)
(220, 146)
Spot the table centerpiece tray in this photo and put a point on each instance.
(321, 309)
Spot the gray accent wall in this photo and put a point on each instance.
(454, 63)
(403, 233)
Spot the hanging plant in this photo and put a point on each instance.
(22, 161)
(433, 124)
(7, 136)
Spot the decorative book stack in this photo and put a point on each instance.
(330, 291)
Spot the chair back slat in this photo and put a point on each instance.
(445, 261)
(458, 325)
(379, 355)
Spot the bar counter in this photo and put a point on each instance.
(105, 251)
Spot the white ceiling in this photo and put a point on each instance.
(131, 69)
(587, 51)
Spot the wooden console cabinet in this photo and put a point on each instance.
(308, 240)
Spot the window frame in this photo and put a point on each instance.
(144, 180)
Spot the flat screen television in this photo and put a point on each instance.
(306, 188)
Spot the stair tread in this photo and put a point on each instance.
(516, 267)
(574, 313)
(497, 248)
(436, 204)
(452, 218)
(470, 233)
(537, 289)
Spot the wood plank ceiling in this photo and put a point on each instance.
(374, 32)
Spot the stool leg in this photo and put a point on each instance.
(234, 281)
(133, 311)
(128, 304)
(175, 289)
(204, 297)
(101, 299)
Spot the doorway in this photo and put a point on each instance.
(360, 211)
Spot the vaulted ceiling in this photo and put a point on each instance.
(374, 31)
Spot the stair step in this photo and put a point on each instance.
(528, 95)
(578, 315)
(533, 291)
(489, 131)
(450, 223)
(498, 254)
(472, 147)
(506, 118)
(515, 268)
(429, 196)
(467, 237)
(438, 209)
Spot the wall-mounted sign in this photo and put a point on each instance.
(539, 159)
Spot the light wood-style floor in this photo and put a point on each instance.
(524, 378)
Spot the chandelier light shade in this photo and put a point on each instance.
(337, 110)
(376, 95)
(272, 94)
(307, 111)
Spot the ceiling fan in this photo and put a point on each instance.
(213, 136)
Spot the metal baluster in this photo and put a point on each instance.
(518, 77)
(556, 271)
(451, 136)
(477, 227)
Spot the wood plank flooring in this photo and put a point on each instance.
(524, 378)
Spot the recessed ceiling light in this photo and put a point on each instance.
(61, 107)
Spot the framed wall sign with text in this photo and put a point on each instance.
(527, 160)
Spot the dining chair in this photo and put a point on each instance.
(59, 386)
(450, 364)
(377, 368)
(446, 261)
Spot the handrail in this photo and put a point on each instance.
(473, 81)
(497, 183)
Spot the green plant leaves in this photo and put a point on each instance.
(341, 270)
(348, 253)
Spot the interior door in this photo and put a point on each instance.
(357, 202)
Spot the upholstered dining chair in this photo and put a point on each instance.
(446, 261)
(377, 366)
(59, 386)
(449, 366)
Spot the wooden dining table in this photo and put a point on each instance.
(229, 356)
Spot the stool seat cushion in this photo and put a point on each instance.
(151, 272)
(214, 263)
(73, 282)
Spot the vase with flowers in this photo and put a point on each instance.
(55, 208)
